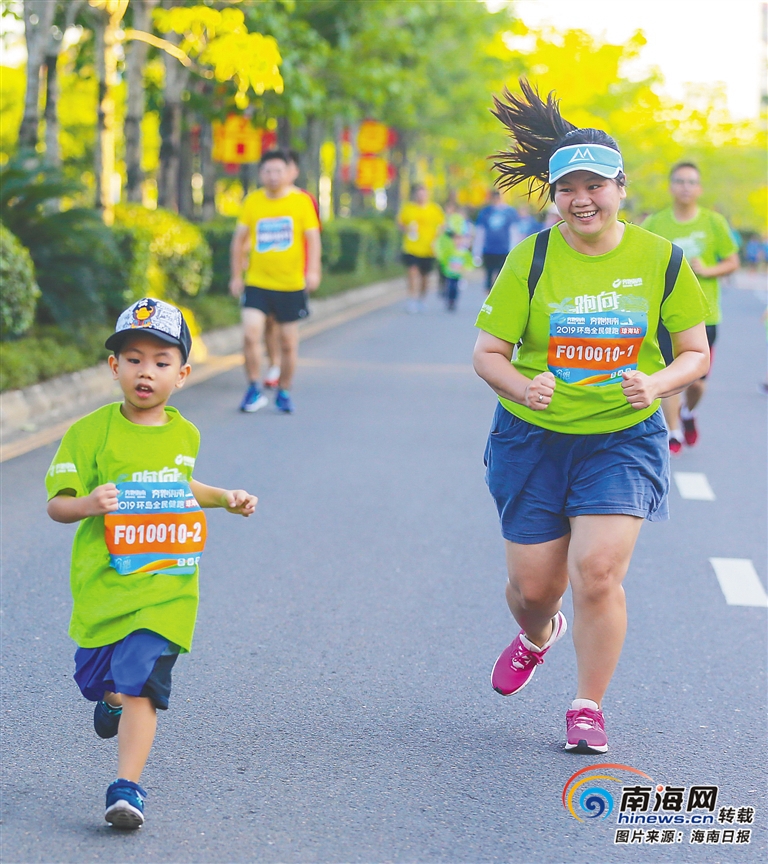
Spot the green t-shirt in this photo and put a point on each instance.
(105, 447)
(452, 258)
(591, 318)
(706, 237)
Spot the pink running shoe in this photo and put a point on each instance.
(516, 663)
(586, 731)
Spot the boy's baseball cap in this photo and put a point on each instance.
(157, 317)
(596, 158)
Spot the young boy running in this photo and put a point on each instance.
(125, 473)
(708, 244)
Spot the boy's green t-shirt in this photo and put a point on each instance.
(452, 258)
(706, 237)
(591, 318)
(105, 447)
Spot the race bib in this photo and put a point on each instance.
(274, 234)
(594, 348)
(157, 528)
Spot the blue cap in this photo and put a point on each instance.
(596, 158)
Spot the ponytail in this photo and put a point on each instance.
(537, 130)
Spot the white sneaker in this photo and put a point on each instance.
(272, 378)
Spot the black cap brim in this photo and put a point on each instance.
(115, 341)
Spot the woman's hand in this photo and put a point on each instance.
(538, 394)
(639, 389)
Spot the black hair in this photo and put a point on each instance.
(680, 165)
(293, 156)
(537, 130)
(416, 188)
(273, 154)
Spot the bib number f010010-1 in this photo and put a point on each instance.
(158, 528)
(592, 349)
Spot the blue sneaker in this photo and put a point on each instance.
(125, 805)
(106, 719)
(253, 399)
(283, 402)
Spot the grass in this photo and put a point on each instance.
(46, 352)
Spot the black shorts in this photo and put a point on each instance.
(665, 342)
(283, 306)
(425, 265)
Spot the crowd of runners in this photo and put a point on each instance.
(589, 326)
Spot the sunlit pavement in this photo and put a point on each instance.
(336, 705)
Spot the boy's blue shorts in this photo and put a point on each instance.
(138, 665)
(539, 478)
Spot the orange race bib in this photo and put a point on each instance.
(157, 528)
(594, 348)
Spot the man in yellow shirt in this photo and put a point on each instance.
(420, 220)
(279, 225)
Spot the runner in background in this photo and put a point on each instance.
(279, 225)
(708, 243)
(526, 224)
(454, 259)
(420, 221)
(271, 332)
(494, 236)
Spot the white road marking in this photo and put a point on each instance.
(739, 582)
(694, 486)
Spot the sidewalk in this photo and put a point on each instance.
(42, 413)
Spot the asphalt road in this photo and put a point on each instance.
(336, 706)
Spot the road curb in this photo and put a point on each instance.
(40, 414)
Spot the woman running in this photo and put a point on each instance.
(577, 456)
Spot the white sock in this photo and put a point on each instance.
(686, 413)
(274, 372)
(677, 434)
(583, 703)
(531, 647)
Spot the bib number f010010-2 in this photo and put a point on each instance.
(158, 528)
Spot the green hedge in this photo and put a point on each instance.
(19, 294)
(218, 235)
(49, 351)
(180, 259)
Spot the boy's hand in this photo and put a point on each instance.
(239, 501)
(102, 500)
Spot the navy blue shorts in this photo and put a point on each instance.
(539, 478)
(138, 665)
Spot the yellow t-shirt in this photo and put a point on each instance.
(278, 250)
(421, 223)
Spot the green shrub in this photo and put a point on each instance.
(331, 245)
(19, 289)
(357, 245)
(218, 234)
(215, 310)
(50, 351)
(180, 265)
(134, 243)
(388, 241)
(77, 263)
